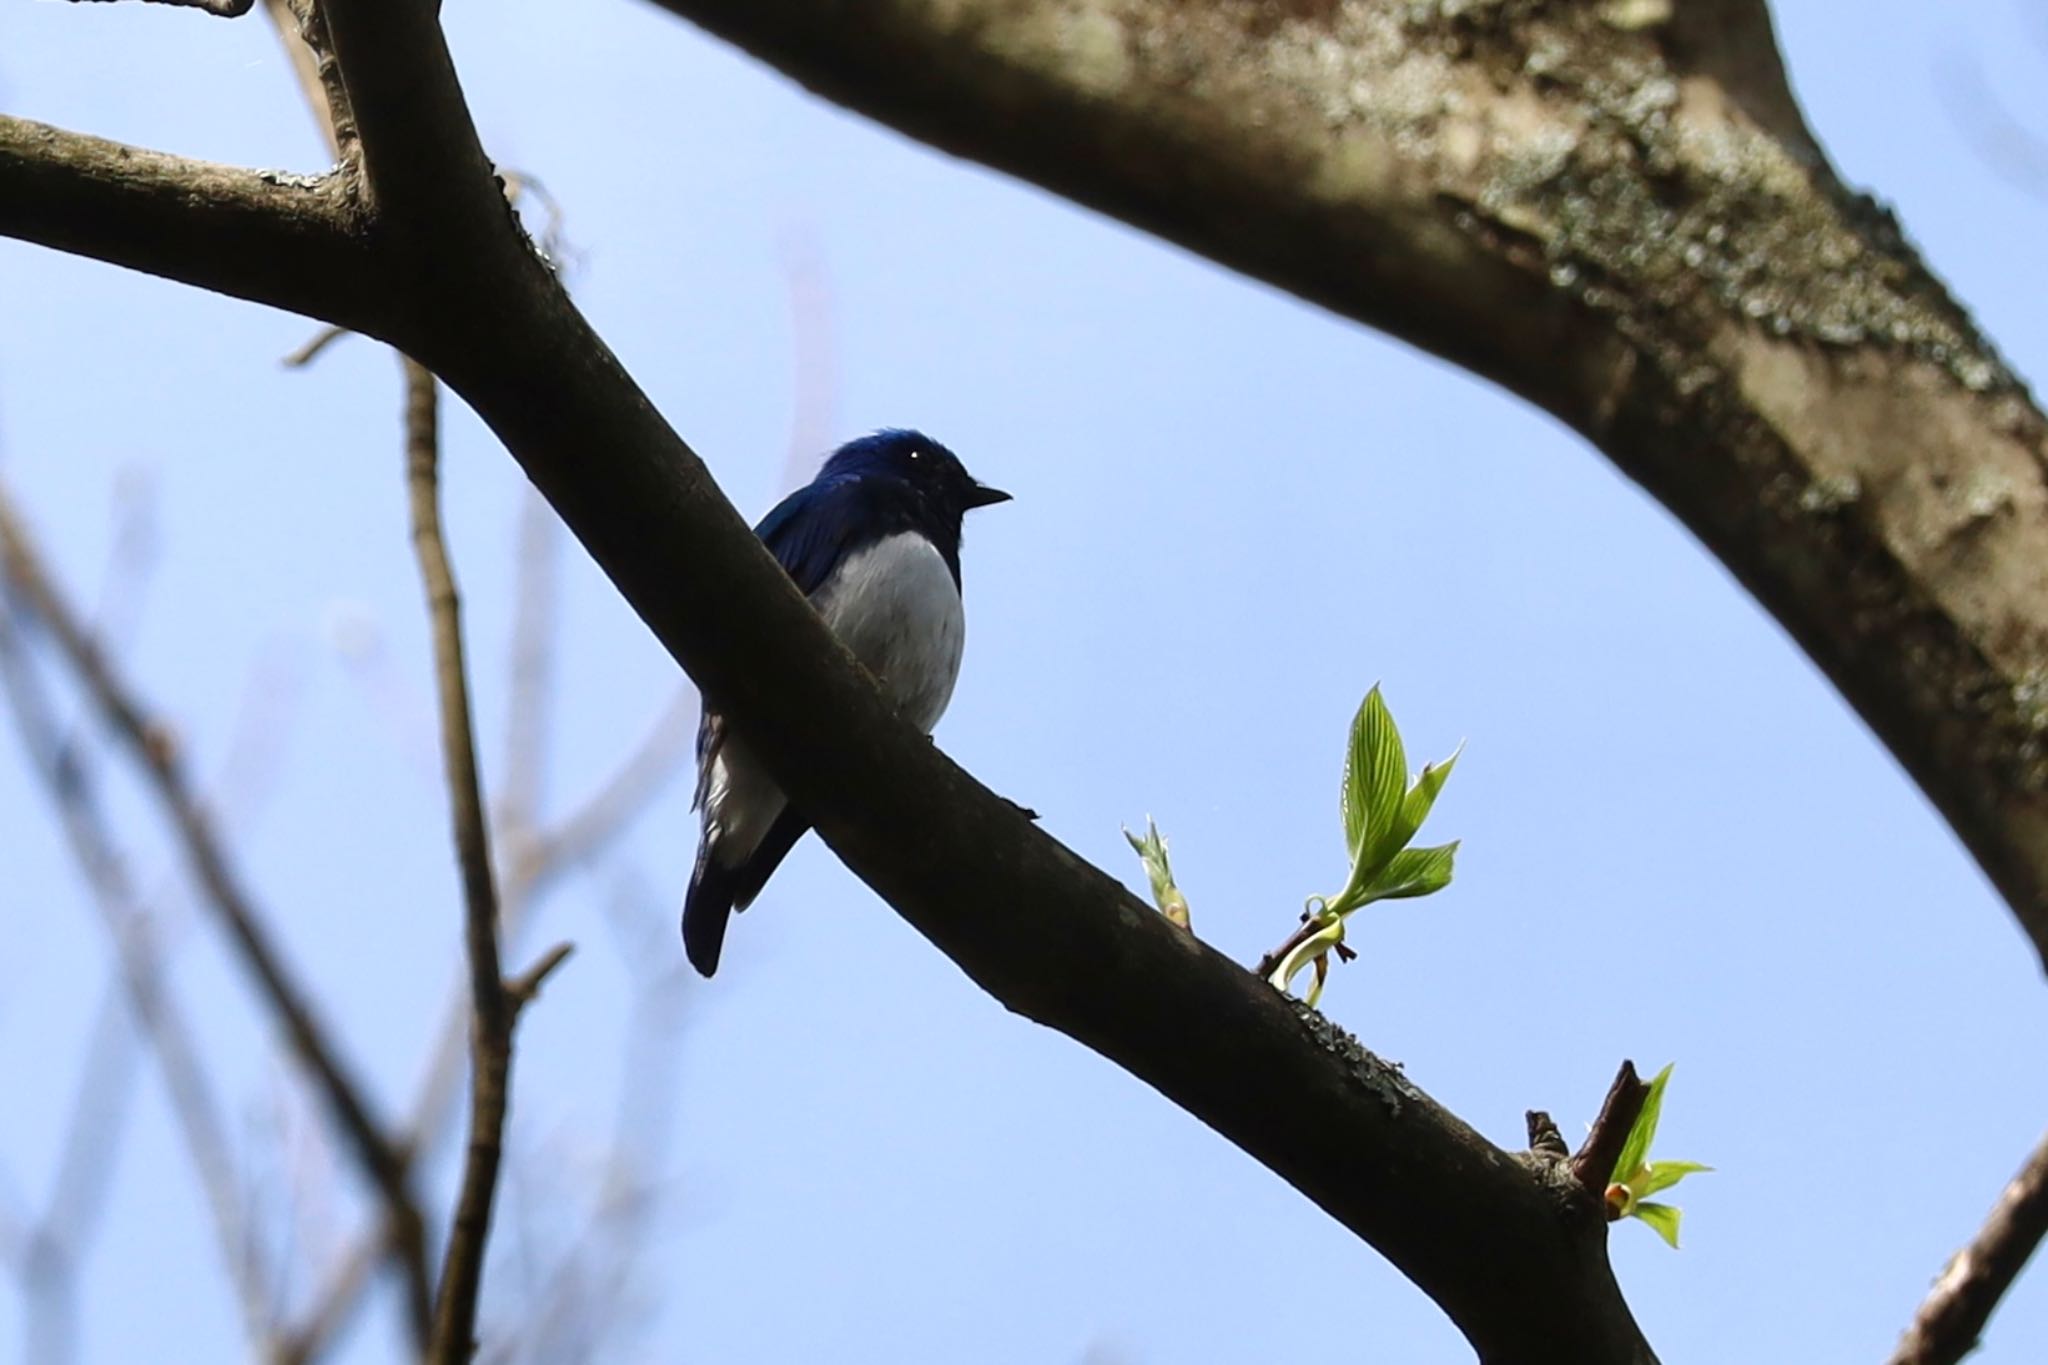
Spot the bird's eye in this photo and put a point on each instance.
(917, 454)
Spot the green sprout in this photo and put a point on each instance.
(1151, 851)
(1382, 813)
(1636, 1177)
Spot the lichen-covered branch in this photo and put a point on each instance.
(1613, 210)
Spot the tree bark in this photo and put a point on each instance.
(1612, 209)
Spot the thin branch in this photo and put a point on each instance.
(78, 1191)
(1952, 1319)
(493, 1006)
(311, 349)
(247, 928)
(302, 32)
(1544, 1139)
(341, 1296)
(1593, 1166)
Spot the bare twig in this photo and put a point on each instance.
(247, 928)
(78, 1190)
(1952, 1319)
(302, 30)
(341, 1295)
(494, 1002)
(310, 351)
(1304, 931)
(1544, 1138)
(1593, 1166)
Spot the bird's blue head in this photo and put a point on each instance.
(928, 471)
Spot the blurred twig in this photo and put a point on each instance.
(156, 1012)
(535, 592)
(2008, 146)
(247, 929)
(816, 387)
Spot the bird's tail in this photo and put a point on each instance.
(706, 908)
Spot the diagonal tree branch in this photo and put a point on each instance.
(1952, 1319)
(1051, 937)
(1636, 233)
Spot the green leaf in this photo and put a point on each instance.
(1662, 1175)
(1151, 851)
(1415, 808)
(1375, 777)
(1413, 872)
(1636, 1151)
(1662, 1218)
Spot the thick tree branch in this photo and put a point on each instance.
(1047, 934)
(290, 241)
(1952, 1319)
(1616, 214)
(1050, 936)
(1614, 211)
(429, 183)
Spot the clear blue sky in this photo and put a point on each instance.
(1234, 513)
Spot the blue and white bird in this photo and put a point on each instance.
(874, 542)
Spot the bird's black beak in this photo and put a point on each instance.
(981, 495)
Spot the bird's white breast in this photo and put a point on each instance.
(897, 608)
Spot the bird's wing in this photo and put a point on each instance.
(808, 532)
